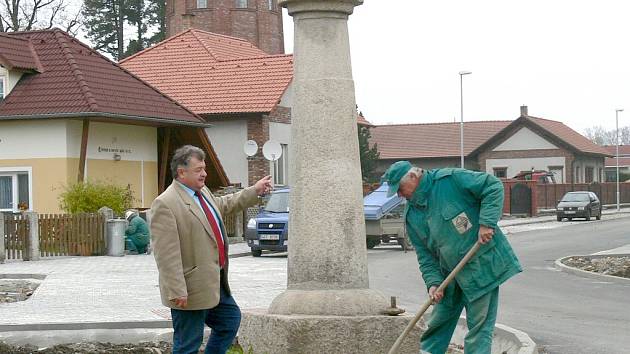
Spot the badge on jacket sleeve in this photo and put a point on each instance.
(462, 223)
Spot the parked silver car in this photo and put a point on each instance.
(583, 204)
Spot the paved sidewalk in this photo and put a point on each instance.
(103, 292)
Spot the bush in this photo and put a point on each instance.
(88, 197)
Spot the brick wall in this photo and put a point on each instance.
(257, 23)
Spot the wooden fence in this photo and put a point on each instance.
(71, 235)
(16, 230)
(547, 195)
(59, 235)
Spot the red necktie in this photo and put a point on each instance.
(215, 228)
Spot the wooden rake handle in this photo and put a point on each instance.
(428, 303)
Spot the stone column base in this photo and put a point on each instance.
(295, 334)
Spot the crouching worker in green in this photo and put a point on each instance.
(137, 234)
(448, 210)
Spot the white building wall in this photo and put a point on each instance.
(227, 139)
(33, 139)
(287, 97)
(517, 165)
(132, 143)
(525, 139)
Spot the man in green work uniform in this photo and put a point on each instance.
(137, 234)
(449, 210)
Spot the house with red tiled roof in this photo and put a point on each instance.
(244, 93)
(612, 162)
(69, 114)
(503, 148)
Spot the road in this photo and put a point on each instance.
(563, 313)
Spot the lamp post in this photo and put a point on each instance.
(617, 154)
(461, 122)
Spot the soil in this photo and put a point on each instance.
(13, 290)
(618, 266)
(108, 348)
(91, 348)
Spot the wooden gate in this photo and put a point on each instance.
(71, 235)
(520, 199)
(15, 238)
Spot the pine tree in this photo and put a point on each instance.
(368, 155)
(104, 22)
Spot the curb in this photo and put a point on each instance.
(506, 339)
(592, 275)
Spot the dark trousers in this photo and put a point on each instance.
(224, 320)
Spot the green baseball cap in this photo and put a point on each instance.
(394, 174)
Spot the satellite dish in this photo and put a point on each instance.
(250, 148)
(272, 150)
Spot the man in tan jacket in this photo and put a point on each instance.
(191, 252)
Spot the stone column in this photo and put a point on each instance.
(327, 262)
(2, 250)
(33, 235)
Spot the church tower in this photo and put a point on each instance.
(257, 21)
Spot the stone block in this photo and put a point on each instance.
(295, 334)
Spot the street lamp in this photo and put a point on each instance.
(461, 123)
(617, 155)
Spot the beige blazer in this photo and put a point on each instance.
(185, 248)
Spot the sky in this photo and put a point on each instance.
(566, 60)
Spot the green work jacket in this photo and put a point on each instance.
(138, 232)
(443, 218)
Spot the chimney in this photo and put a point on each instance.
(524, 111)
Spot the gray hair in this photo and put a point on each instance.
(416, 171)
(182, 157)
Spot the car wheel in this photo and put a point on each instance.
(372, 242)
(559, 218)
(599, 215)
(256, 253)
(569, 219)
(588, 215)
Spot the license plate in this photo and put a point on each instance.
(569, 212)
(269, 237)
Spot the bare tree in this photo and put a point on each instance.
(601, 136)
(26, 15)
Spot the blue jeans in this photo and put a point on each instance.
(224, 320)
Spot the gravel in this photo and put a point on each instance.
(618, 266)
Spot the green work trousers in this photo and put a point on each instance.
(481, 316)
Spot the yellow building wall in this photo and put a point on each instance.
(49, 177)
(128, 173)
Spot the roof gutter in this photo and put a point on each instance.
(105, 115)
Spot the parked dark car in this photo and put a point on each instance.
(579, 205)
(269, 229)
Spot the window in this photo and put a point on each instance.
(588, 174)
(15, 190)
(500, 172)
(241, 4)
(271, 4)
(202, 4)
(2, 90)
(281, 167)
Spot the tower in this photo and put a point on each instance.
(257, 21)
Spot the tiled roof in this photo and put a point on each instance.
(362, 121)
(77, 80)
(568, 135)
(624, 150)
(612, 162)
(17, 53)
(212, 74)
(407, 141)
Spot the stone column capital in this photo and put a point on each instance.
(343, 6)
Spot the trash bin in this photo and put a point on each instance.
(116, 237)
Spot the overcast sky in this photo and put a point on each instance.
(566, 60)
